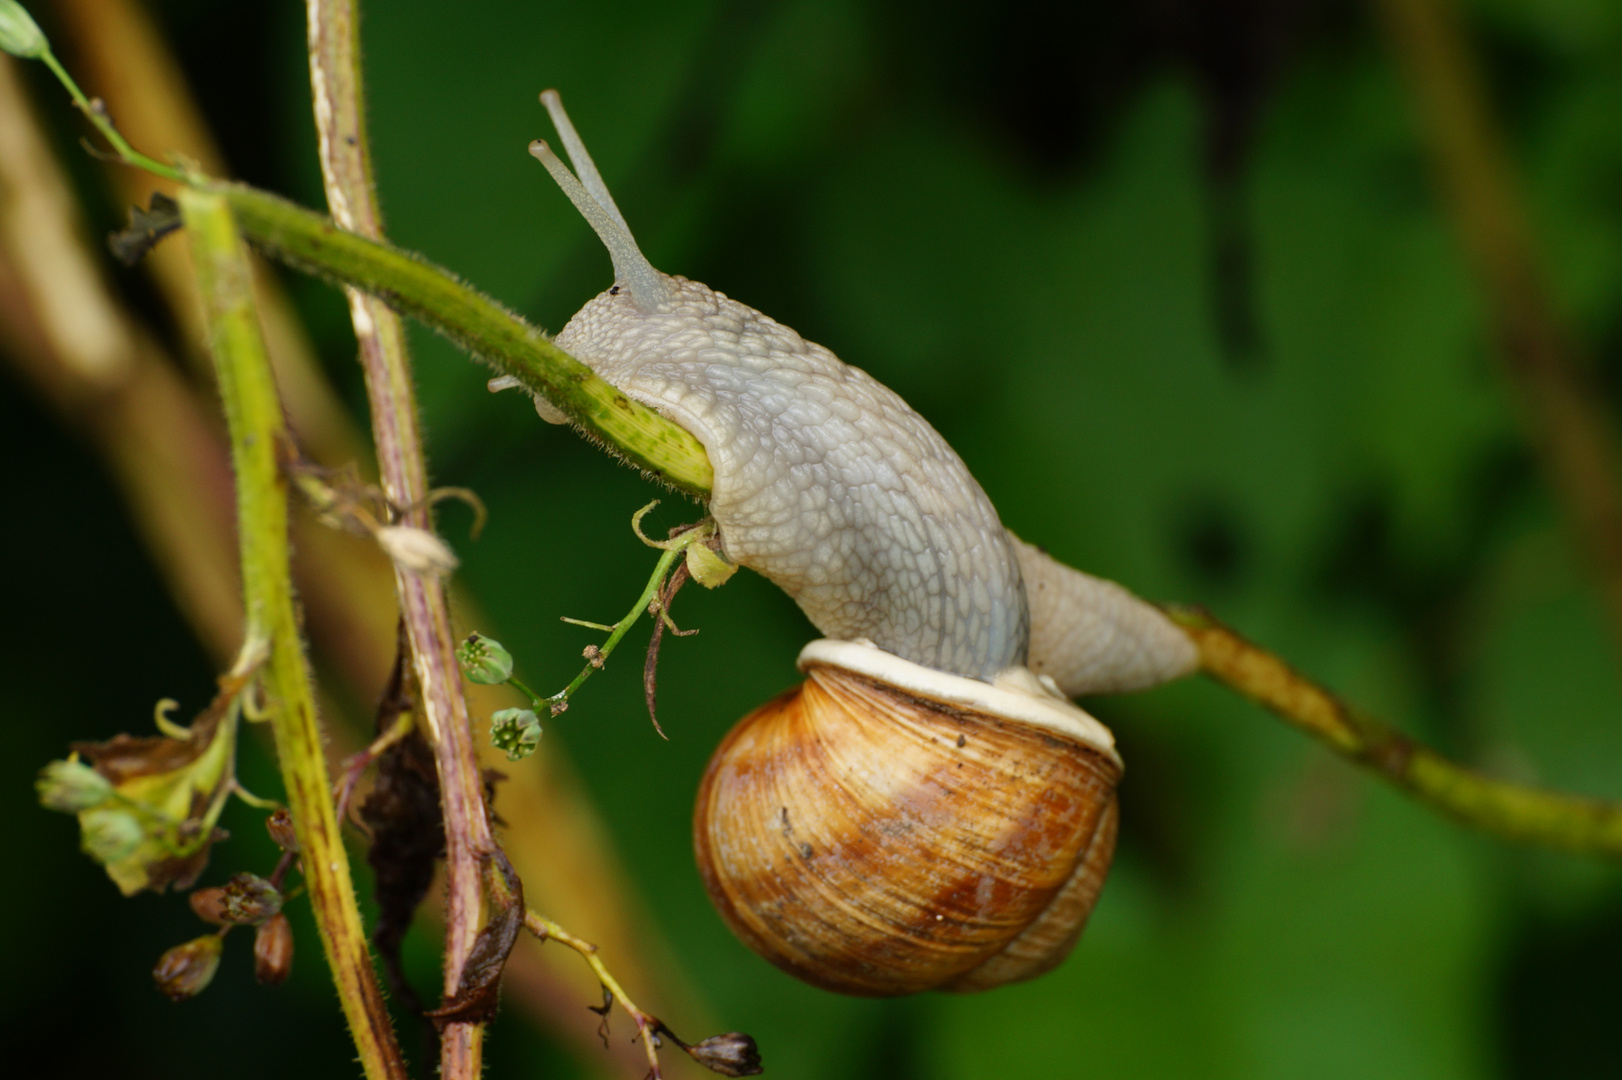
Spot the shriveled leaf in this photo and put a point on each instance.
(130, 245)
(156, 825)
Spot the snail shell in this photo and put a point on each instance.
(885, 829)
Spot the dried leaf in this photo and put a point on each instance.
(146, 228)
(408, 833)
(476, 991)
(156, 826)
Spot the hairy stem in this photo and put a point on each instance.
(254, 415)
(479, 325)
(335, 82)
(1512, 811)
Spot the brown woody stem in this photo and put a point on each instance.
(254, 415)
(1512, 811)
(351, 196)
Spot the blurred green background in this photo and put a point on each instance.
(1174, 280)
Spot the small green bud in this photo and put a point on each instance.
(71, 786)
(484, 660)
(20, 35)
(186, 970)
(709, 568)
(109, 834)
(516, 731)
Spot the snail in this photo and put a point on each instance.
(929, 809)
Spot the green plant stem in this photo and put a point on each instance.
(648, 1026)
(98, 117)
(337, 95)
(1513, 811)
(254, 415)
(479, 325)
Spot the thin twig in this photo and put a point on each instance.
(1570, 429)
(254, 415)
(647, 1025)
(345, 152)
(1512, 811)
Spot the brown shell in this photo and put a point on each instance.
(874, 843)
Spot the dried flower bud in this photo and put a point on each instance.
(186, 970)
(20, 35)
(484, 660)
(273, 951)
(71, 786)
(108, 834)
(731, 1054)
(416, 549)
(248, 900)
(709, 568)
(209, 904)
(280, 826)
(517, 731)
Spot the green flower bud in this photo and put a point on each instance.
(20, 35)
(516, 731)
(109, 833)
(708, 568)
(484, 660)
(186, 970)
(71, 786)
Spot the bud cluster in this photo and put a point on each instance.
(484, 660)
(515, 731)
(245, 900)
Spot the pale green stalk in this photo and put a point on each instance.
(254, 416)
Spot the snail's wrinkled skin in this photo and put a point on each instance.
(826, 481)
(835, 489)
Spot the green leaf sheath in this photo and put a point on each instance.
(479, 325)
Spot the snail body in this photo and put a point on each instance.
(928, 809)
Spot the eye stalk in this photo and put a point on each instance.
(590, 196)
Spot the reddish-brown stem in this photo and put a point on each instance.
(346, 169)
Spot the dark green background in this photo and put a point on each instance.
(1027, 219)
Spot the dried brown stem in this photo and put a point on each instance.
(351, 196)
(1576, 442)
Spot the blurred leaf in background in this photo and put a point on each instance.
(1008, 214)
